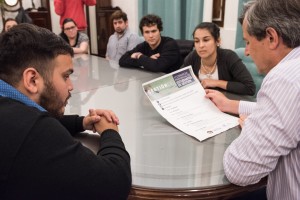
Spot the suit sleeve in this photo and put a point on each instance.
(73, 123)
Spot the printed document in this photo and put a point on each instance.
(180, 99)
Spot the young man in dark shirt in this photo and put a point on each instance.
(39, 157)
(157, 53)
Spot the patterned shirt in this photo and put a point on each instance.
(82, 37)
(9, 91)
(118, 45)
(269, 142)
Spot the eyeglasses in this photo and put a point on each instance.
(70, 28)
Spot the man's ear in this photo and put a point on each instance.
(32, 80)
(272, 37)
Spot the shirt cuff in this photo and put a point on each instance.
(246, 107)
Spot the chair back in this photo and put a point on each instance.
(247, 60)
(185, 47)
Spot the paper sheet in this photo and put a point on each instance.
(180, 99)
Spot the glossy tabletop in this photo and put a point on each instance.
(162, 157)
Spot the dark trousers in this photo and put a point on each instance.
(255, 195)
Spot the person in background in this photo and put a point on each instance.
(73, 9)
(39, 157)
(122, 40)
(269, 144)
(216, 67)
(157, 53)
(77, 40)
(9, 23)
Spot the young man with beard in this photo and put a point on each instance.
(39, 157)
(158, 53)
(123, 39)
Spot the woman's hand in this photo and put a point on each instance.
(208, 83)
(211, 83)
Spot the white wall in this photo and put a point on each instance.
(54, 18)
(130, 7)
(228, 32)
(27, 3)
(93, 30)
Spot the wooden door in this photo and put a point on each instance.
(41, 17)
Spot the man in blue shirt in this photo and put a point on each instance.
(123, 39)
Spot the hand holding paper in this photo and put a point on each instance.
(180, 99)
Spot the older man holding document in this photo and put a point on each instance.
(270, 138)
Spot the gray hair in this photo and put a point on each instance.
(281, 15)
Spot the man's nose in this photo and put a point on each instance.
(246, 52)
(70, 86)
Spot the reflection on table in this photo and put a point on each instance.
(165, 162)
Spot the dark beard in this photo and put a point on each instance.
(50, 100)
(121, 32)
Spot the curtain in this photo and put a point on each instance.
(179, 17)
(239, 42)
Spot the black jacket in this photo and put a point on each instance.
(41, 160)
(169, 60)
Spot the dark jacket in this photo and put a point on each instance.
(41, 160)
(169, 60)
(230, 68)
